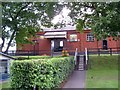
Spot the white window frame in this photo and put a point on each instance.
(90, 37)
(73, 37)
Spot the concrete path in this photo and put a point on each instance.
(77, 80)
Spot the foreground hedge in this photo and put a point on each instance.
(40, 73)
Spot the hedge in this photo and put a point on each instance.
(41, 73)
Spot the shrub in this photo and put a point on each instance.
(65, 53)
(41, 73)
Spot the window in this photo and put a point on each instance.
(73, 37)
(61, 43)
(90, 37)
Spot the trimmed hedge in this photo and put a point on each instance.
(40, 73)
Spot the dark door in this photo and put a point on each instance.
(105, 46)
(58, 45)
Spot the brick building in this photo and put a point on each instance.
(69, 39)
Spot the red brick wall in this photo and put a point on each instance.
(83, 43)
(72, 45)
(44, 45)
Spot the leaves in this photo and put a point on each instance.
(103, 17)
(42, 73)
(22, 19)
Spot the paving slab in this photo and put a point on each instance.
(77, 80)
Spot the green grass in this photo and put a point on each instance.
(34, 57)
(31, 57)
(5, 84)
(103, 55)
(103, 72)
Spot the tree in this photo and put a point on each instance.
(104, 17)
(21, 20)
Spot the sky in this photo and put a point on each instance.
(62, 16)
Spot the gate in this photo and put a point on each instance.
(81, 63)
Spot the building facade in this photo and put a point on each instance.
(57, 40)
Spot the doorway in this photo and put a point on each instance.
(57, 45)
(105, 44)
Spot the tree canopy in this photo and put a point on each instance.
(21, 20)
(102, 17)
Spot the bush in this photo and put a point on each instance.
(40, 73)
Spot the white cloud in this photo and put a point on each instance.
(63, 16)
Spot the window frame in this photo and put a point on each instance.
(73, 38)
(90, 37)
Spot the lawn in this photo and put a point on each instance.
(31, 57)
(34, 57)
(5, 84)
(103, 72)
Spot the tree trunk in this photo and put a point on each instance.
(12, 37)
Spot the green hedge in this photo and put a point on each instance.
(40, 73)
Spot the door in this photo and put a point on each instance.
(105, 46)
(61, 45)
(58, 45)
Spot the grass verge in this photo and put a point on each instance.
(5, 84)
(102, 72)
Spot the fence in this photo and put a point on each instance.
(100, 51)
(92, 51)
(27, 52)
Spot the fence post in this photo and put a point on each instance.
(111, 51)
(89, 62)
(98, 52)
(28, 54)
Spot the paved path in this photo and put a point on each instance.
(77, 80)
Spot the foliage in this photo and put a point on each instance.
(65, 53)
(21, 20)
(42, 73)
(102, 17)
(5, 85)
